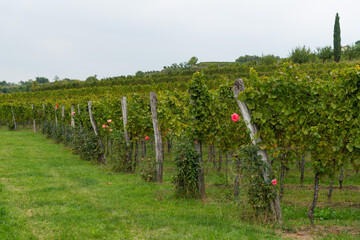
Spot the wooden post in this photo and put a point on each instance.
(201, 178)
(159, 148)
(34, 122)
(62, 113)
(136, 154)
(129, 149)
(125, 120)
(220, 160)
(310, 212)
(302, 165)
(237, 178)
(56, 120)
(96, 131)
(282, 174)
(44, 112)
(43, 117)
(266, 172)
(226, 166)
(331, 187)
(341, 179)
(81, 125)
(143, 148)
(72, 117)
(62, 122)
(14, 119)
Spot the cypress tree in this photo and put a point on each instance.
(337, 39)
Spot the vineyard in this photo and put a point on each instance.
(211, 134)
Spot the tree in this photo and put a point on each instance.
(92, 79)
(324, 53)
(247, 58)
(351, 52)
(269, 59)
(192, 61)
(357, 42)
(300, 55)
(41, 80)
(139, 73)
(337, 39)
(4, 83)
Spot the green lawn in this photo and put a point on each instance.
(46, 192)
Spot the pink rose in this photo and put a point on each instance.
(235, 117)
(274, 182)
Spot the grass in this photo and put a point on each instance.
(49, 193)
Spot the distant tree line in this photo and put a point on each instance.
(263, 60)
(27, 86)
(323, 54)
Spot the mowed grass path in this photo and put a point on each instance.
(49, 193)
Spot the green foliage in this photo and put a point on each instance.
(292, 109)
(192, 61)
(325, 53)
(41, 80)
(256, 60)
(119, 161)
(92, 79)
(337, 39)
(84, 143)
(226, 134)
(139, 117)
(11, 126)
(187, 168)
(269, 59)
(201, 111)
(139, 73)
(148, 169)
(173, 112)
(351, 52)
(258, 191)
(247, 58)
(301, 55)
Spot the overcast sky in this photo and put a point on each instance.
(79, 38)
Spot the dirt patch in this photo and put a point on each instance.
(309, 187)
(298, 236)
(324, 204)
(307, 232)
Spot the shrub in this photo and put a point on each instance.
(148, 170)
(301, 55)
(258, 191)
(11, 126)
(187, 168)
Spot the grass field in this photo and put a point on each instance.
(49, 193)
